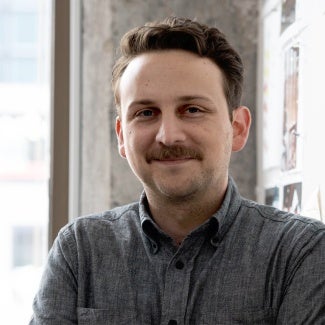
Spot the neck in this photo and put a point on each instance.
(178, 218)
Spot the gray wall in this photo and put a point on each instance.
(106, 179)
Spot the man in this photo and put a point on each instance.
(192, 250)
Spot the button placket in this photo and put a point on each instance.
(177, 285)
(176, 291)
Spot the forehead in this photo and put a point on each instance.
(170, 73)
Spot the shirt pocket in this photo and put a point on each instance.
(87, 316)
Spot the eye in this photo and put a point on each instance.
(193, 109)
(146, 113)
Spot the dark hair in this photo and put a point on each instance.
(184, 34)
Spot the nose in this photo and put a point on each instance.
(171, 130)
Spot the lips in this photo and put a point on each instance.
(173, 153)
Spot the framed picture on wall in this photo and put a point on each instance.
(288, 13)
(271, 93)
(272, 197)
(290, 105)
(292, 197)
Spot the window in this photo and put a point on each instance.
(25, 27)
(18, 70)
(25, 40)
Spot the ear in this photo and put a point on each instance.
(120, 138)
(241, 122)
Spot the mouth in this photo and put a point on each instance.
(173, 160)
(174, 154)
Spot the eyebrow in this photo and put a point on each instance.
(141, 102)
(179, 99)
(194, 97)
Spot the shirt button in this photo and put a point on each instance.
(179, 265)
(214, 241)
(172, 322)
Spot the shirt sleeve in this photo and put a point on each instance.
(56, 300)
(304, 298)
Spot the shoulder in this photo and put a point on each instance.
(108, 222)
(283, 224)
(275, 215)
(104, 234)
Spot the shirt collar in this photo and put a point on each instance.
(149, 227)
(219, 223)
(227, 212)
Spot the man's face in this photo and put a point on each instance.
(174, 127)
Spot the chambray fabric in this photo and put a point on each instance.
(248, 264)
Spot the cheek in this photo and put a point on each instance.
(221, 143)
(135, 142)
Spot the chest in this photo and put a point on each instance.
(192, 286)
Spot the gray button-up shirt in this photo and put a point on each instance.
(248, 264)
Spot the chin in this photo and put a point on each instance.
(177, 193)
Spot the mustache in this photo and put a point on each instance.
(174, 152)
